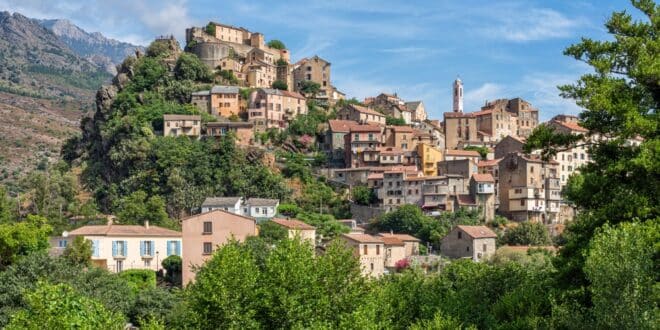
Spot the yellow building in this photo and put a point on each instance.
(429, 157)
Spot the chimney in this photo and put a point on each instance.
(146, 224)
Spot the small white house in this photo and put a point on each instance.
(260, 208)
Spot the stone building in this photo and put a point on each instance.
(370, 250)
(360, 145)
(417, 110)
(273, 108)
(242, 131)
(572, 159)
(496, 123)
(361, 115)
(317, 70)
(460, 128)
(474, 242)
(508, 145)
(182, 125)
(482, 187)
(526, 116)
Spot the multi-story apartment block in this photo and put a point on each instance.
(333, 142)
(527, 117)
(182, 125)
(391, 105)
(317, 70)
(496, 124)
(361, 115)
(225, 101)
(273, 108)
(460, 128)
(523, 181)
(429, 156)
(418, 110)
(436, 131)
(362, 138)
(401, 137)
(204, 233)
(370, 250)
(572, 159)
(121, 247)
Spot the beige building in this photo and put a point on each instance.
(482, 187)
(370, 251)
(410, 243)
(361, 115)
(572, 159)
(298, 229)
(401, 137)
(273, 108)
(393, 106)
(508, 145)
(204, 233)
(225, 101)
(395, 251)
(182, 125)
(474, 242)
(528, 188)
(242, 131)
(317, 70)
(496, 124)
(526, 116)
(460, 128)
(418, 110)
(121, 247)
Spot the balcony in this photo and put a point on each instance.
(553, 194)
(552, 183)
(256, 113)
(526, 192)
(485, 188)
(529, 205)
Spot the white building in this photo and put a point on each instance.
(121, 247)
(252, 207)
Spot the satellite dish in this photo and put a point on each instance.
(65, 234)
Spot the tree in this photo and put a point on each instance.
(229, 76)
(190, 67)
(279, 84)
(483, 151)
(327, 227)
(210, 29)
(7, 208)
(22, 238)
(158, 48)
(527, 233)
(60, 307)
(622, 267)
(407, 219)
(620, 98)
(363, 195)
(389, 120)
(137, 208)
(79, 252)
(272, 232)
(309, 87)
(173, 268)
(276, 44)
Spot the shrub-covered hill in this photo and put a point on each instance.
(124, 158)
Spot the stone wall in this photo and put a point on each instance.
(362, 213)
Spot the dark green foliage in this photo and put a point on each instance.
(139, 279)
(527, 233)
(276, 44)
(173, 268)
(79, 252)
(483, 151)
(279, 84)
(394, 121)
(327, 227)
(210, 29)
(20, 239)
(158, 48)
(154, 304)
(228, 76)
(309, 88)
(288, 210)
(281, 62)
(308, 125)
(7, 206)
(137, 208)
(189, 67)
(363, 195)
(272, 232)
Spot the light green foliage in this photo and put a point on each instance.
(137, 208)
(326, 225)
(309, 88)
(279, 84)
(389, 120)
(79, 252)
(621, 265)
(483, 151)
(158, 48)
(228, 76)
(527, 233)
(363, 195)
(210, 29)
(51, 194)
(288, 210)
(438, 322)
(7, 206)
(308, 124)
(139, 279)
(22, 238)
(276, 44)
(272, 232)
(189, 67)
(319, 197)
(60, 307)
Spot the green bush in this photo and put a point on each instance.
(139, 279)
(276, 44)
(279, 84)
(173, 268)
(190, 67)
(210, 29)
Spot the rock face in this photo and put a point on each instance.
(106, 53)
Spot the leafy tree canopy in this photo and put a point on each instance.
(276, 44)
(279, 84)
(527, 233)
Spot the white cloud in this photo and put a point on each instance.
(475, 98)
(523, 25)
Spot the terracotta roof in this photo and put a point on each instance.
(466, 153)
(363, 238)
(365, 128)
(572, 126)
(181, 117)
(389, 150)
(293, 94)
(292, 224)
(262, 202)
(366, 110)
(390, 240)
(483, 177)
(337, 125)
(124, 230)
(478, 231)
(219, 211)
(419, 132)
(220, 201)
(484, 133)
(465, 200)
(403, 237)
(483, 112)
(402, 129)
(490, 162)
(375, 176)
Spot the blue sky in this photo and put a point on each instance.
(500, 49)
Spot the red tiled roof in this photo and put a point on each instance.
(390, 240)
(478, 231)
(402, 129)
(403, 237)
(363, 238)
(337, 125)
(389, 150)
(293, 94)
(465, 200)
(292, 224)
(366, 110)
(124, 230)
(365, 128)
(572, 126)
(466, 153)
(490, 162)
(483, 177)
(375, 176)
(483, 112)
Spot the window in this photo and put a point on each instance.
(365, 250)
(120, 265)
(62, 243)
(356, 137)
(147, 263)
(245, 209)
(173, 248)
(377, 250)
(146, 248)
(264, 211)
(208, 248)
(119, 248)
(208, 227)
(256, 210)
(468, 248)
(372, 266)
(460, 235)
(531, 169)
(485, 247)
(522, 202)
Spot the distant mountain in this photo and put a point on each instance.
(106, 53)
